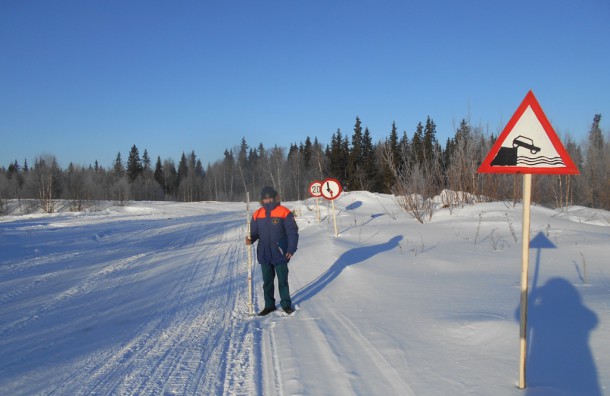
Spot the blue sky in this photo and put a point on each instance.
(83, 80)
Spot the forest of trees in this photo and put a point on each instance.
(402, 164)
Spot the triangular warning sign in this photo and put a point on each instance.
(528, 144)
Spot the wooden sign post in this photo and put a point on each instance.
(527, 145)
(315, 190)
(525, 253)
(249, 247)
(331, 189)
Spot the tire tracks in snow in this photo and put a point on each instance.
(80, 289)
(195, 341)
(189, 335)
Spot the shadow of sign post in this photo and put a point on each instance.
(539, 242)
(559, 359)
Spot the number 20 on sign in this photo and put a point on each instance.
(315, 189)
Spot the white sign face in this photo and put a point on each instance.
(331, 188)
(315, 189)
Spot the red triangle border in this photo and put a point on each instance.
(529, 101)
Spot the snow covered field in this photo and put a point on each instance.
(151, 299)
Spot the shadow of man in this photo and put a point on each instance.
(351, 257)
(559, 358)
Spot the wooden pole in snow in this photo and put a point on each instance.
(527, 193)
(335, 218)
(250, 308)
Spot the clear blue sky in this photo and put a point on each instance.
(84, 80)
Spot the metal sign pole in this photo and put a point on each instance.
(527, 193)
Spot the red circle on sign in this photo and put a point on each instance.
(331, 188)
(315, 189)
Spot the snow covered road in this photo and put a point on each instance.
(151, 306)
(151, 299)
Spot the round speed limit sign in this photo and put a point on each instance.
(331, 188)
(315, 189)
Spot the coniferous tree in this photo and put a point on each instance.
(390, 165)
(307, 152)
(253, 164)
(199, 172)
(146, 161)
(148, 178)
(418, 145)
(228, 175)
(345, 155)
(134, 164)
(15, 173)
(242, 164)
(460, 159)
(119, 181)
(118, 168)
(183, 169)
(170, 178)
(405, 152)
(596, 138)
(429, 141)
(320, 160)
(335, 155)
(262, 173)
(294, 185)
(338, 156)
(159, 174)
(595, 170)
(369, 163)
(184, 187)
(354, 174)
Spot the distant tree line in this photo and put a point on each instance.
(414, 165)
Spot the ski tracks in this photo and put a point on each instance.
(334, 344)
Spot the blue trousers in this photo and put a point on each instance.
(269, 274)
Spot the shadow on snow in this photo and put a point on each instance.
(558, 329)
(350, 257)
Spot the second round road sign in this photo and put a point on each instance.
(331, 188)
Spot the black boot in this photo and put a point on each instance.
(266, 311)
(288, 310)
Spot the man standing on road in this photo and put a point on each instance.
(277, 233)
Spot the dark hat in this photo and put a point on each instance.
(268, 192)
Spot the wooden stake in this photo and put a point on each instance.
(527, 193)
(334, 218)
(250, 308)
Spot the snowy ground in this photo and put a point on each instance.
(151, 299)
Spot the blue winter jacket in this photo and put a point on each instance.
(274, 227)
